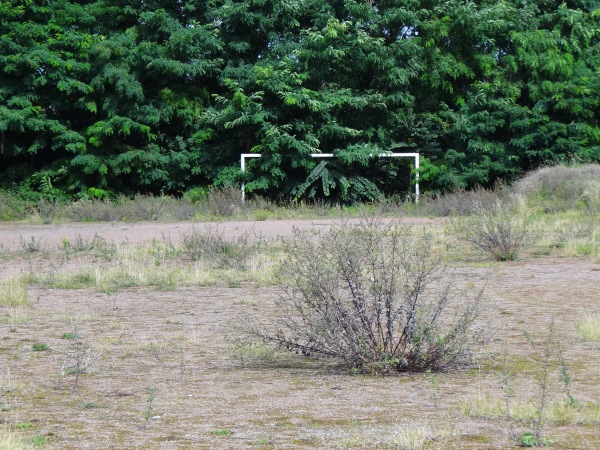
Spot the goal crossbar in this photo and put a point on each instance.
(245, 156)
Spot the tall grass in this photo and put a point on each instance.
(589, 327)
(13, 293)
(11, 440)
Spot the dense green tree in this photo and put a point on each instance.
(525, 93)
(44, 65)
(162, 96)
(152, 78)
(327, 81)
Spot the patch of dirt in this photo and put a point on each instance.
(50, 236)
(155, 369)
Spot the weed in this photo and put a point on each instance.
(182, 360)
(222, 201)
(88, 405)
(211, 246)
(39, 441)
(40, 347)
(461, 201)
(585, 249)
(561, 412)
(222, 432)
(47, 210)
(145, 207)
(80, 244)
(24, 425)
(409, 436)
(70, 335)
(96, 210)
(544, 383)
(413, 438)
(261, 215)
(433, 380)
(14, 317)
(12, 440)
(532, 439)
(32, 246)
(13, 207)
(560, 188)
(544, 407)
(149, 411)
(251, 352)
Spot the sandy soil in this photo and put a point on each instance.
(11, 235)
(159, 373)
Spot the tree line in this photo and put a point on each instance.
(100, 97)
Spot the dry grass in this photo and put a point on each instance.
(405, 436)
(557, 413)
(12, 440)
(14, 316)
(589, 327)
(13, 293)
(156, 265)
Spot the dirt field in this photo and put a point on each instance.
(159, 372)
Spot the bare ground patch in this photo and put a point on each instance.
(148, 368)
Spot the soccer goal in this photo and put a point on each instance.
(245, 156)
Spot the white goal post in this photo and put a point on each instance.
(331, 155)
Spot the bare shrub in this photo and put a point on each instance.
(392, 205)
(560, 188)
(147, 207)
(222, 201)
(496, 230)
(47, 210)
(31, 246)
(375, 296)
(182, 209)
(80, 244)
(78, 358)
(96, 210)
(461, 201)
(139, 208)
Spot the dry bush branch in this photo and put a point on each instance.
(375, 296)
(496, 230)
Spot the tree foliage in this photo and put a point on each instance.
(163, 96)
